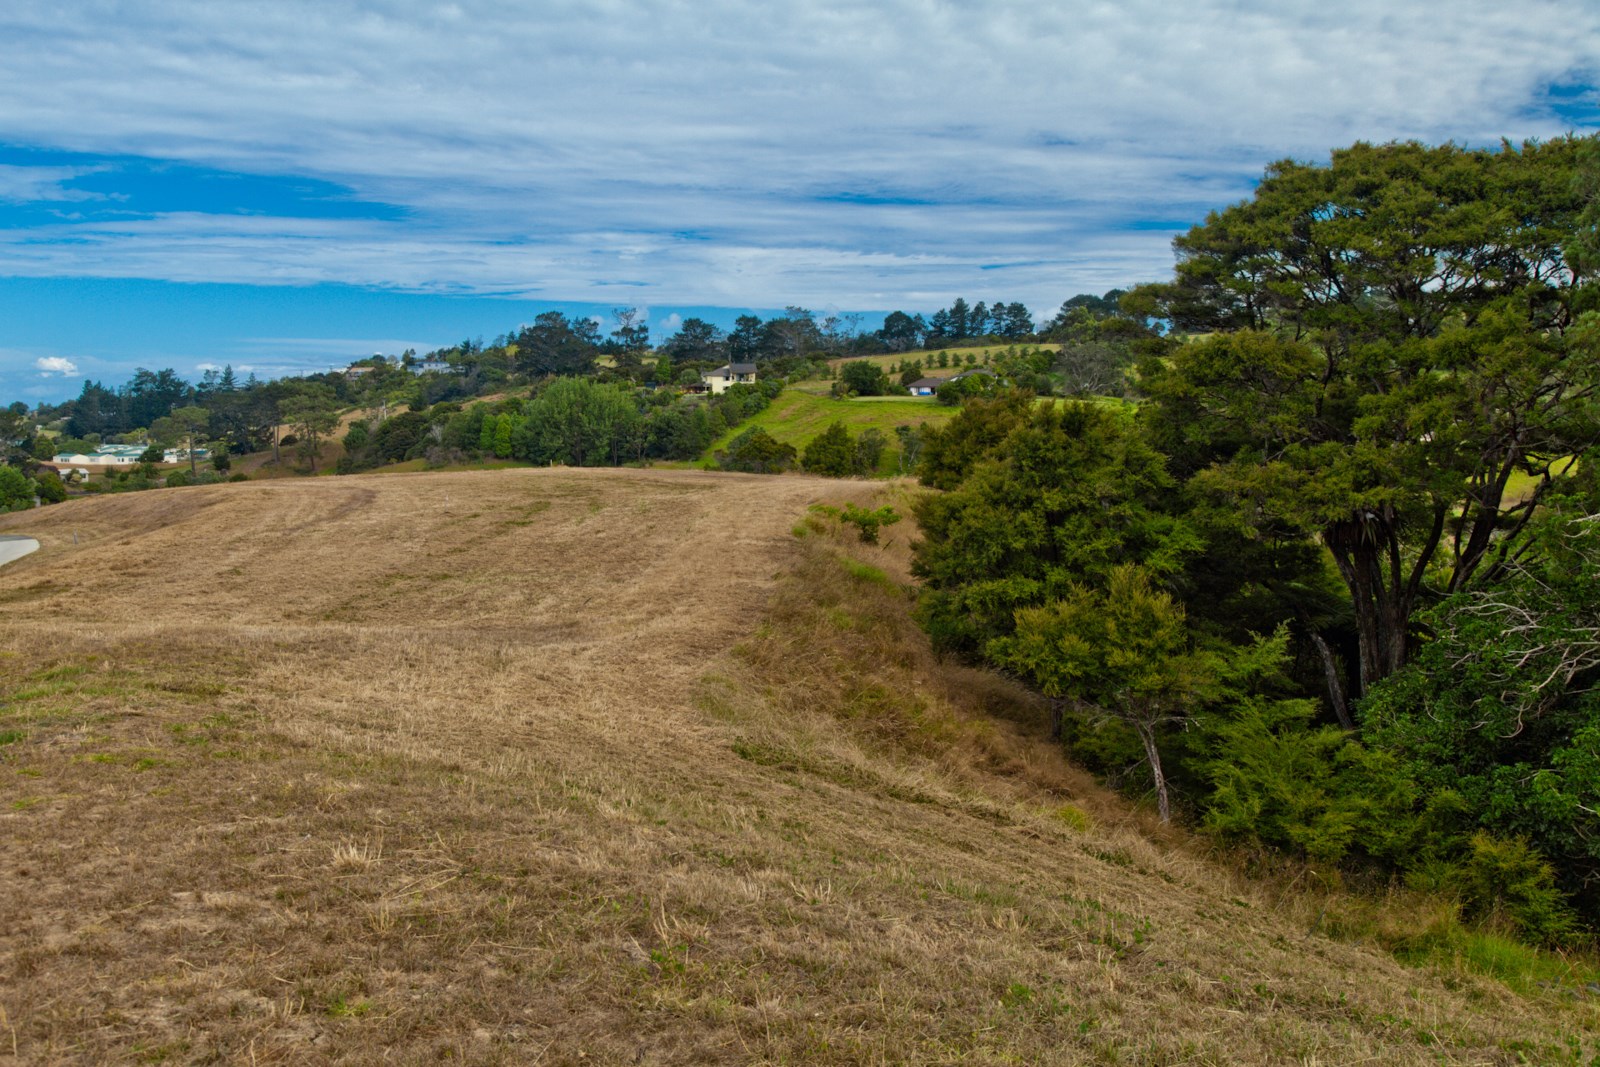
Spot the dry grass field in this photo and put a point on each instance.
(601, 767)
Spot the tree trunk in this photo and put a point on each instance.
(1330, 670)
(1366, 549)
(1151, 753)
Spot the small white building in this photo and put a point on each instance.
(729, 374)
(117, 456)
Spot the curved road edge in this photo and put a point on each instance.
(15, 548)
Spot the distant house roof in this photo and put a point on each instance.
(927, 383)
(986, 372)
(729, 370)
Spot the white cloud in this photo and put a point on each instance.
(34, 184)
(739, 153)
(55, 365)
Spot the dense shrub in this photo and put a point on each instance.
(757, 452)
(50, 487)
(831, 453)
(864, 378)
(16, 489)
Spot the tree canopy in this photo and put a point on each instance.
(1347, 541)
(1400, 336)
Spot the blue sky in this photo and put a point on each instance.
(287, 186)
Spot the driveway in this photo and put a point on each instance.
(15, 548)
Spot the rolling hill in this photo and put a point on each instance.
(799, 414)
(602, 766)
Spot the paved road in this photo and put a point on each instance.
(15, 548)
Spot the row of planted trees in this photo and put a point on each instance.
(1333, 585)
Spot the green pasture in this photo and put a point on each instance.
(927, 354)
(796, 417)
(1520, 486)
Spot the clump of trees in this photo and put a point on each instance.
(755, 451)
(580, 422)
(835, 453)
(1328, 588)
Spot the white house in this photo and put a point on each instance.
(434, 366)
(111, 456)
(926, 386)
(122, 456)
(729, 374)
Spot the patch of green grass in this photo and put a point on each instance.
(1074, 817)
(59, 694)
(929, 357)
(866, 572)
(341, 1008)
(1523, 968)
(1520, 486)
(797, 417)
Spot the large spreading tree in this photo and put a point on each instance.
(1402, 363)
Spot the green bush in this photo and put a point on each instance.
(1506, 882)
(51, 488)
(756, 452)
(869, 450)
(864, 378)
(16, 489)
(868, 521)
(831, 453)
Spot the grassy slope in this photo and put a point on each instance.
(598, 767)
(799, 415)
(925, 353)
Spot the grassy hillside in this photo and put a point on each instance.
(797, 416)
(601, 767)
(923, 354)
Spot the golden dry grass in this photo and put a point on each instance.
(554, 766)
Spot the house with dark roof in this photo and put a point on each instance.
(729, 374)
(926, 386)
